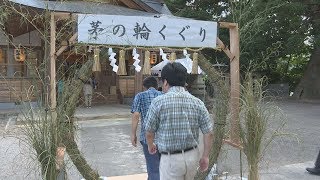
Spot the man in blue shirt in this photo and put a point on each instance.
(140, 108)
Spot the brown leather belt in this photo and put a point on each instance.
(179, 151)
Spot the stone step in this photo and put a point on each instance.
(102, 98)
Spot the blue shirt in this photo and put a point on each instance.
(141, 105)
(176, 118)
(60, 86)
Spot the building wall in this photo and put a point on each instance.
(3, 38)
(28, 39)
(10, 68)
(15, 76)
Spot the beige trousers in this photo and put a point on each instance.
(182, 166)
(88, 100)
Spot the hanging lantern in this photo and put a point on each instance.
(146, 66)
(19, 54)
(173, 57)
(195, 64)
(122, 63)
(96, 60)
(153, 58)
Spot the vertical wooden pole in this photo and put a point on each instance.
(53, 96)
(146, 65)
(53, 100)
(235, 84)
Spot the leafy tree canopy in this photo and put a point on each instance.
(276, 36)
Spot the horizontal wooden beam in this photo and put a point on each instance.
(227, 25)
(71, 41)
(64, 16)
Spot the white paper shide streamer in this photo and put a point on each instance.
(189, 61)
(136, 60)
(163, 55)
(112, 60)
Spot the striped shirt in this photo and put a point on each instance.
(175, 118)
(141, 105)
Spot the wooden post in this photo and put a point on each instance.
(235, 83)
(53, 99)
(53, 95)
(146, 65)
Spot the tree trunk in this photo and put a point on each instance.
(309, 86)
(254, 171)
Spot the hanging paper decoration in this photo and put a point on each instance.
(189, 61)
(136, 60)
(146, 66)
(163, 55)
(195, 64)
(173, 57)
(90, 49)
(122, 63)
(112, 60)
(96, 60)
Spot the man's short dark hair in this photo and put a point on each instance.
(149, 82)
(175, 74)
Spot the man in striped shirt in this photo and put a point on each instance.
(175, 119)
(139, 109)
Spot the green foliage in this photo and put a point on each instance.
(291, 69)
(269, 31)
(202, 10)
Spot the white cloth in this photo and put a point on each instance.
(182, 166)
(185, 62)
(87, 89)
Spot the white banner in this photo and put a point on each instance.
(146, 31)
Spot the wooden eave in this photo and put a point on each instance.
(15, 27)
(138, 5)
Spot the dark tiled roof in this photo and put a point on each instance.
(82, 7)
(157, 5)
